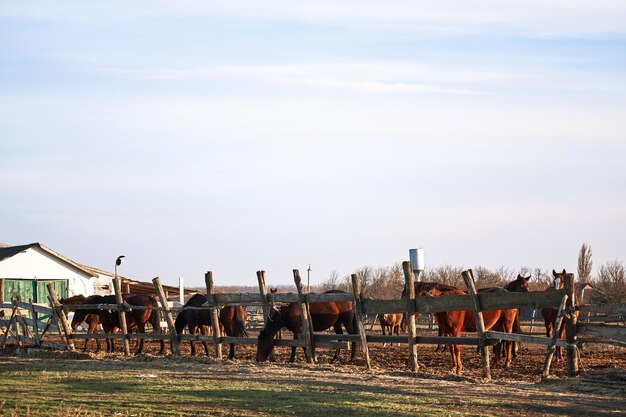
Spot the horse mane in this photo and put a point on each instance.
(277, 320)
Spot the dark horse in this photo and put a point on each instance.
(549, 314)
(232, 321)
(91, 319)
(136, 319)
(324, 315)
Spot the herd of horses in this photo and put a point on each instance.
(324, 315)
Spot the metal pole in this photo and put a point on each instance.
(308, 279)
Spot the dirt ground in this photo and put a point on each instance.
(526, 367)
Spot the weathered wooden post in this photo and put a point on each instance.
(570, 325)
(468, 277)
(168, 316)
(555, 337)
(260, 276)
(1, 290)
(215, 323)
(409, 283)
(35, 324)
(307, 330)
(358, 311)
(59, 314)
(117, 286)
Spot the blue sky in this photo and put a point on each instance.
(237, 136)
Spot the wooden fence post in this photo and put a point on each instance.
(468, 277)
(260, 275)
(307, 329)
(35, 324)
(117, 286)
(409, 283)
(168, 316)
(555, 337)
(59, 314)
(358, 311)
(1, 290)
(215, 323)
(570, 325)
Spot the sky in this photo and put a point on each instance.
(243, 135)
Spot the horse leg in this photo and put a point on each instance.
(452, 353)
(140, 330)
(292, 358)
(192, 330)
(339, 331)
(205, 331)
(459, 365)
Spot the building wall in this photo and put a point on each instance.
(35, 263)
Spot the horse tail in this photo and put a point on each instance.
(180, 322)
(517, 328)
(155, 320)
(240, 322)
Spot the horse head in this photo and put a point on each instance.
(520, 284)
(265, 341)
(559, 279)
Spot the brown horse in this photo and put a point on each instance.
(391, 322)
(519, 284)
(136, 319)
(324, 315)
(231, 319)
(92, 320)
(455, 322)
(423, 286)
(550, 314)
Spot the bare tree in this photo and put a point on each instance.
(332, 282)
(445, 274)
(584, 263)
(612, 282)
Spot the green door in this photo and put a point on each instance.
(22, 288)
(60, 287)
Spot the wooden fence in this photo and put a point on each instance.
(564, 300)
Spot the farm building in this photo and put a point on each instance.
(26, 270)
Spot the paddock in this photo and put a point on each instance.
(314, 343)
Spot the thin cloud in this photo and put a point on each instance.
(574, 18)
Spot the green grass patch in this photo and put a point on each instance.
(54, 391)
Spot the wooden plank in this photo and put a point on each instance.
(289, 342)
(238, 299)
(376, 307)
(328, 297)
(40, 324)
(468, 277)
(30, 306)
(326, 337)
(239, 340)
(283, 297)
(212, 302)
(524, 338)
(616, 309)
(409, 286)
(533, 299)
(610, 331)
(106, 307)
(358, 311)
